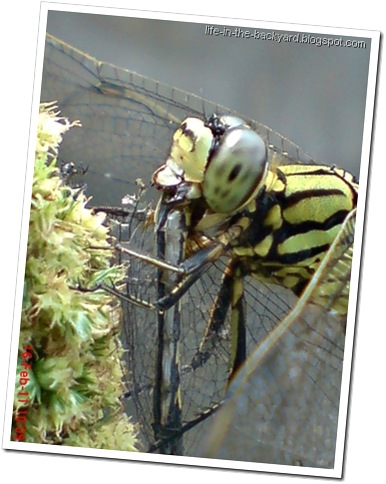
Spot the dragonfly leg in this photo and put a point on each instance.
(231, 293)
(216, 321)
(191, 270)
(238, 327)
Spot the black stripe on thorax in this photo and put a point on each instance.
(290, 229)
(293, 258)
(296, 197)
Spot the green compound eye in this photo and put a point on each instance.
(235, 171)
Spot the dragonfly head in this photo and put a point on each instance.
(221, 159)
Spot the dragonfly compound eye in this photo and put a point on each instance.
(236, 170)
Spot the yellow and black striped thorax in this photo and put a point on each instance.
(277, 222)
(289, 227)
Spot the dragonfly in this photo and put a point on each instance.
(193, 388)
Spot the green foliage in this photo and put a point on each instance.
(75, 378)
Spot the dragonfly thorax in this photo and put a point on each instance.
(276, 222)
(289, 229)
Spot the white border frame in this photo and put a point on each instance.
(356, 261)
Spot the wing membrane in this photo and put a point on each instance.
(127, 120)
(282, 408)
(266, 414)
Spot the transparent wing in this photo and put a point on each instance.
(127, 120)
(204, 387)
(283, 406)
(200, 389)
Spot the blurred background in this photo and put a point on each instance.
(315, 96)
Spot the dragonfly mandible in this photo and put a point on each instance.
(129, 121)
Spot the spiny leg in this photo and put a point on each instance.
(238, 323)
(231, 293)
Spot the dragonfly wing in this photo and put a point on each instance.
(289, 398)
(283, 406)
(127, 120)
(286, 410)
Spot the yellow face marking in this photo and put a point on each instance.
(190, 151)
